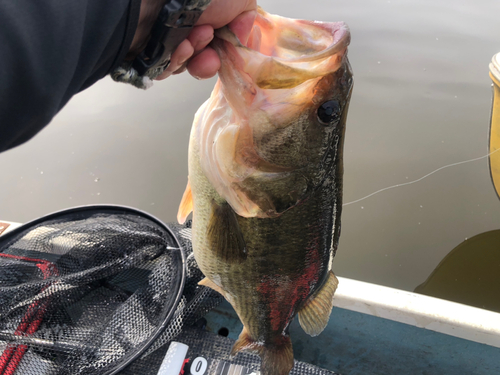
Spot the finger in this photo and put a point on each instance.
(242, 25)
(179, 57)
(200, 36)
(221, 12)
(182, 69)
(204, 65)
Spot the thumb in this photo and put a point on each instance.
(242, 25)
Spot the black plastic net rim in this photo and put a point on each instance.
(119, 209)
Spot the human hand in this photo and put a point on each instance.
(202, 61)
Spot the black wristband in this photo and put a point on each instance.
(174, 23)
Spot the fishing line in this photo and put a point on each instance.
(421, 178)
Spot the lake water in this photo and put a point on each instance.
(421, 101)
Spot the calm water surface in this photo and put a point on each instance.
(421, 101)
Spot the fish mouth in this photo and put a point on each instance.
(281, 52)
(291, 40)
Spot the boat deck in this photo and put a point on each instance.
(357, 343)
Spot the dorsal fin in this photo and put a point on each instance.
(186, 206)
(314, 315)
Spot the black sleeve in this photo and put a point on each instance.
(52, 49)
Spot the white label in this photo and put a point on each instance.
(199, 366)
(174, 359)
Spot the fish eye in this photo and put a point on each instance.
(329, 112)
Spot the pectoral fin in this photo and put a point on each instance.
(314, 315)
(210, 284)
(224, 234)
(186, 206)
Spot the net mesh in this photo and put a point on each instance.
(88, 291)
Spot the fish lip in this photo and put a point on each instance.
(341, 39)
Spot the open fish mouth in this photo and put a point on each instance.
(283, 53)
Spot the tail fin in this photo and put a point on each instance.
(277, 357)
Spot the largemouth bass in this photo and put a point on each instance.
(265, 179)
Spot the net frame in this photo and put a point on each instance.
(14, 352)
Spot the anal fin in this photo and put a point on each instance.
(314, 315)
(276, 356)
(224, 234)
(245, 342)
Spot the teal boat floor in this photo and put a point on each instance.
(355, 343)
